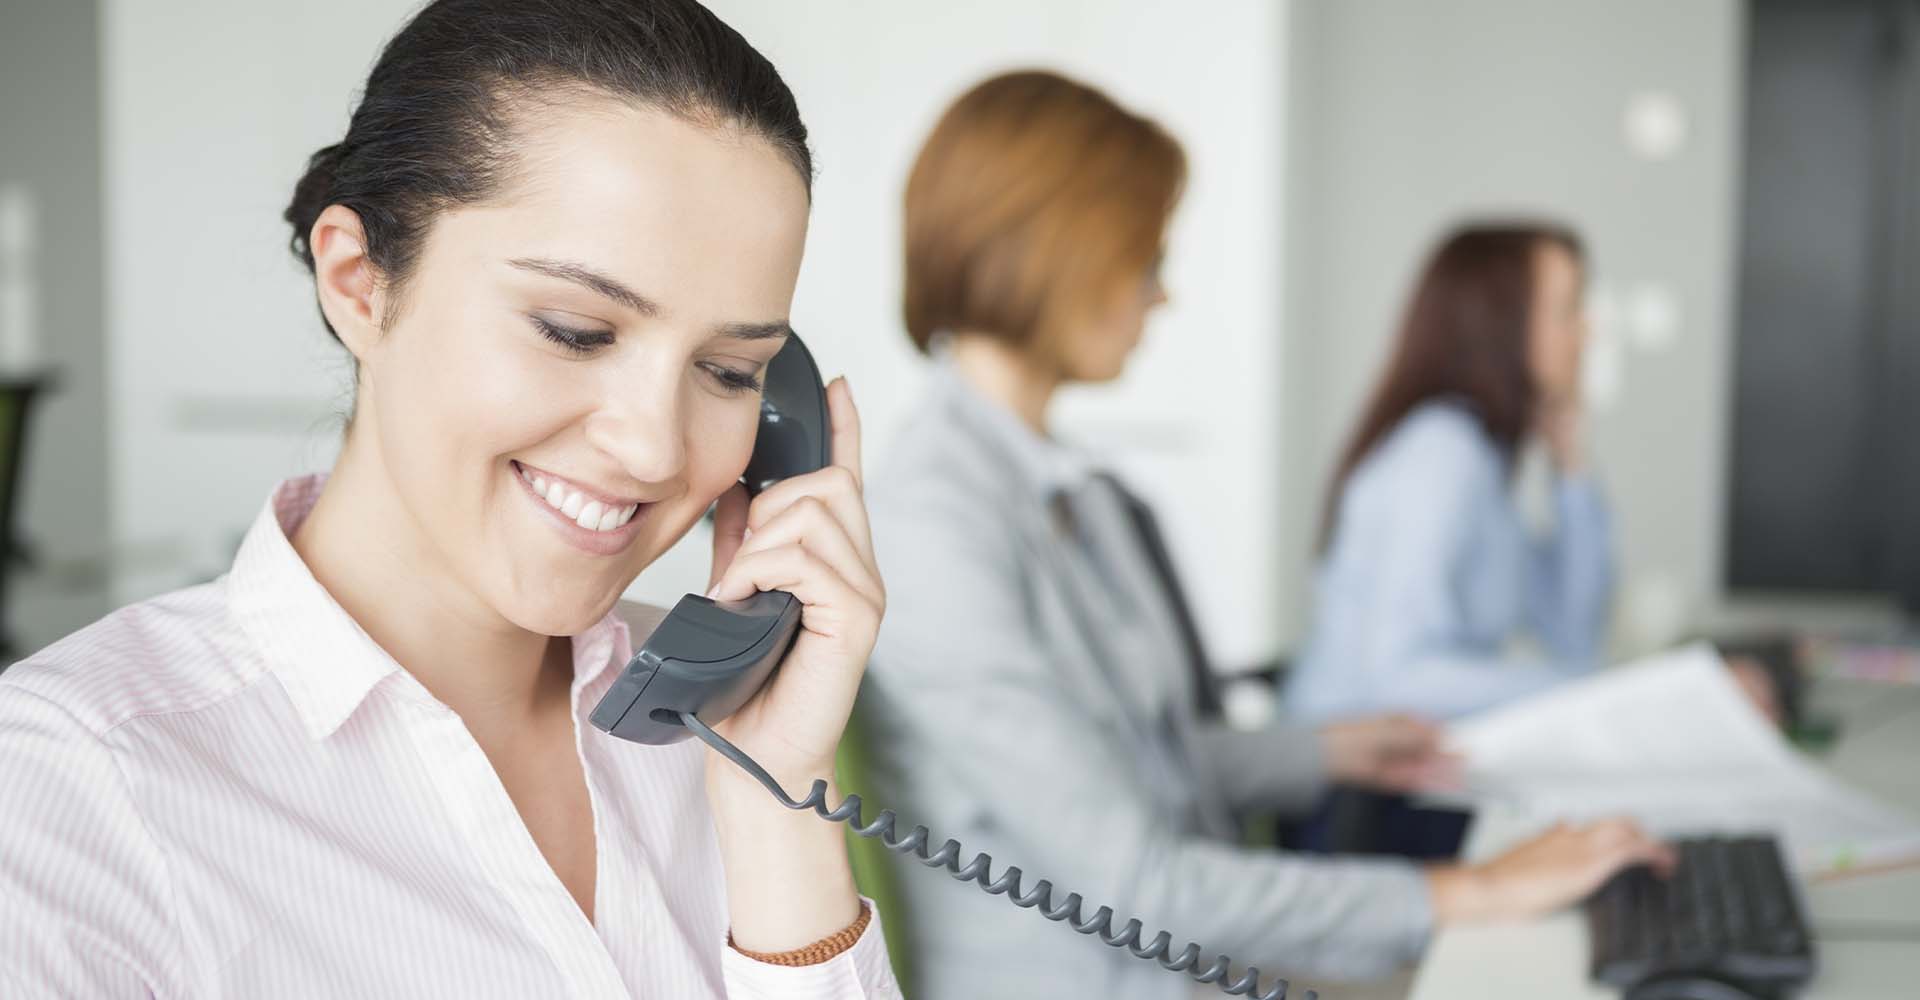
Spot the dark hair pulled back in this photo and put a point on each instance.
(433, 128)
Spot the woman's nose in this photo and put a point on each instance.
(639, 425)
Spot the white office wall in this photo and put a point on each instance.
(223, 379)
(1412, 115)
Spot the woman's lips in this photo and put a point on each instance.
(612, 528)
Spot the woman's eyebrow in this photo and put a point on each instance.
(586, 277)
(755, 331)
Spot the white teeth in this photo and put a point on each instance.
(593, 515)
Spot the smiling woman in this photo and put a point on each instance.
(560, 242)
(527, 329)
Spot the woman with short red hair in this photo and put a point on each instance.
(1034, 692)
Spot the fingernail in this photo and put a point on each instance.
(713, 592)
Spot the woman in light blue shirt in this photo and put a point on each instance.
(1429, 570)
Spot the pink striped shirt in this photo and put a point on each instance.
(231, 790)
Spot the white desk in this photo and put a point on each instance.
(1867, 926)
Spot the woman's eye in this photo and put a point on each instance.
(732, 380)
(577, 341)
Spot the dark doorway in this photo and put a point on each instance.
(1825, 490)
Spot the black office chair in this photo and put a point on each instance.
(17, 397)
(1356, 820)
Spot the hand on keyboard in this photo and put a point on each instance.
(1553, 869)
(1728, 910)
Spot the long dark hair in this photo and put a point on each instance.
(1464, 336)
(435, 125)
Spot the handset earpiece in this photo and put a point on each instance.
(707, 658)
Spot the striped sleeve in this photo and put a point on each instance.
(84, 897)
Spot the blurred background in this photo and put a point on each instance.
(1742, 169)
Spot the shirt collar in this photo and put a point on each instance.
(324, 660)
(1047, 467)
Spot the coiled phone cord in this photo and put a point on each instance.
(979, 872)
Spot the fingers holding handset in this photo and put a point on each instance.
(808, 536)
(822, 512)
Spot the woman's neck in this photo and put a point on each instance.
(382, 572)
(1006, 375)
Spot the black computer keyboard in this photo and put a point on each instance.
(1728, 910)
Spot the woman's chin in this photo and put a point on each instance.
(569, 614)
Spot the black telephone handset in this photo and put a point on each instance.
(707, 658)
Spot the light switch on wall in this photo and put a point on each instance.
(1652, 316)
(1654, 125)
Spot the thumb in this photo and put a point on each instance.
(729, 530)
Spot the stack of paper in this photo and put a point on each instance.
(1672, 742)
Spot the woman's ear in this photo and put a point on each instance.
(344, 280)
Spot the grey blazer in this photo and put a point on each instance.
(1027, 698)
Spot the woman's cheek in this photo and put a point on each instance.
(454, 375)
(719, 444)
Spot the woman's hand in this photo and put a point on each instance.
(1756, 682)
(787, 879)
(1556, 868)
(1562, 424)
(1392, 753)
(807, 536)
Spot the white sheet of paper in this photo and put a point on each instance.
(1671, 741)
